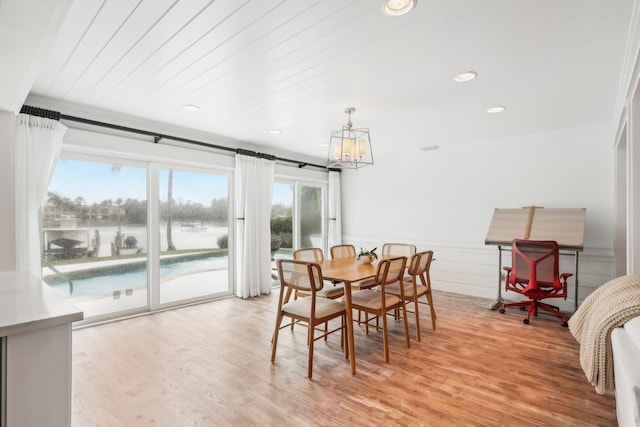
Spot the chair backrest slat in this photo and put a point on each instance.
(420, 263)
(300, 275)
(309, 254)
(398, 249)
(343, 251)
(390, 270)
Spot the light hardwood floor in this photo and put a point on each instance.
(209, 364)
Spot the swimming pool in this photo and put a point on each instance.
(105, 283)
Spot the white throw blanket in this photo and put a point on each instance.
(606, 308)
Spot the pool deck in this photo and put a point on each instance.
(99, 265)
(180, 287)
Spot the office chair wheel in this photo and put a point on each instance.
(502, 311)
(525, 321)
(564, 324)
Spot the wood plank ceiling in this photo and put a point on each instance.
(294, 65)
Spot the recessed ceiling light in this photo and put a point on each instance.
(398, 7)
(497, 109)
(466, 76)
(274, 131)
(430, 148)
(190, 107)
(324, 144)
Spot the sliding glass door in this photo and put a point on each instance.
(311, 214)
(282, 220)
(194, 235)
(94, 235)
(297, 217)
(112, 252)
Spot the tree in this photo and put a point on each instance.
(170, 246)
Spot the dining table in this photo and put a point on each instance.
(348, 271)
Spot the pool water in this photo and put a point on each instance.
(106, 284)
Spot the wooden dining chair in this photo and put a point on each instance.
(313, 310)
(417, 284)
(330, 290)
(349, 251)
(381, 303)
(398, 249)
(343, 251)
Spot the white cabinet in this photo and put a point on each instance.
(35, 326)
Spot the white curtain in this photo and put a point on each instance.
(254, 187)
(335, 220)
(37, 148)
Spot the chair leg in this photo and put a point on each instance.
(385, 338)
(406, 324)
(417, 314)
(343, 338)
(430, 298)
(366, 322)
(525, 303)
(553, 310)
(433, 310)
(274, 339)
(286, 300)
(311, 340)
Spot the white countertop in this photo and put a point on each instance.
(27, 304)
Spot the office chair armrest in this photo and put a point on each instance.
(565, 276)
(506, 277)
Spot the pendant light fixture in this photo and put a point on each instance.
(350, 148)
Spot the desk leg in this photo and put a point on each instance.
(497, 303)
(350, 342)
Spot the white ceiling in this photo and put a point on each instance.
(295, 65)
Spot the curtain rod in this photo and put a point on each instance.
(157, 137)
(40, 112)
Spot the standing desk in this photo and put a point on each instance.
(565, 226)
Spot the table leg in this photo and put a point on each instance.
(350, 341)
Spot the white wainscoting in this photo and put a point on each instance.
(472, 268)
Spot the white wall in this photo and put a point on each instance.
(444, 200)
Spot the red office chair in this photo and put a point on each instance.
(534, 274)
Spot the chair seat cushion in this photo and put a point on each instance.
(394, 289)
(331, 291)
(324, 307)
(371, 299)
(364, 284)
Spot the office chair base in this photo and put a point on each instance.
(533, 310)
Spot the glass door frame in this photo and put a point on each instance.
(154, 241)
(152, 167)
(116, 160)
(298, 183)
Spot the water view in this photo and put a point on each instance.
(128, 277)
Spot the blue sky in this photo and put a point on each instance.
(96, 182)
